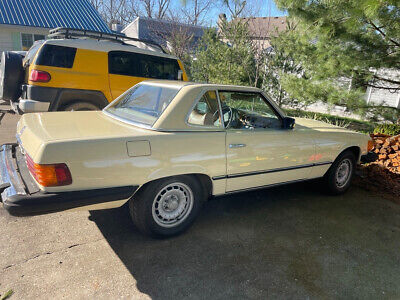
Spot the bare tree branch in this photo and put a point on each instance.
(379, 29)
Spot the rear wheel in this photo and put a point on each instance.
(11, 76)
(339, 176)
(80, 106)
(168, 206)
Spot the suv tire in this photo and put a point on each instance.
(80, 106)
(167, 207)
(11, 76)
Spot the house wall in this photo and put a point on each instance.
(10, 36)
(132, 30)
(6, 41)
(384, 97)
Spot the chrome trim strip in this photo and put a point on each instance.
(323, 163)
(220, 110)
(269, 185)
(236, 175)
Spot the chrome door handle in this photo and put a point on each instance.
(237, 145)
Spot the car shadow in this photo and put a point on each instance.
(288, 242)
(231, 250)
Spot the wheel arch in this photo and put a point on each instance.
(70, 96)
(356, 150)
(203, 179)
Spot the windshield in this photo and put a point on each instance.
(144, 103)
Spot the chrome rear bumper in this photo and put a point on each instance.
(10, 178)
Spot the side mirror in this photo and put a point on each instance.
(180, 75)
(288, 123)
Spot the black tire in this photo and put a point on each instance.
(11, 76)
(335, 180)
(80, 106)
(148, 220)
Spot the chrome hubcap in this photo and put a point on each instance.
(343, 172)
(172, 205)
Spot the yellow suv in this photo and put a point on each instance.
(81, 70)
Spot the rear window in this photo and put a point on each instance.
(142, 65)
(143, 103)
(56, 56)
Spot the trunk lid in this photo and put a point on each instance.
(36, 130)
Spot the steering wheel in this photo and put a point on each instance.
(225, 109)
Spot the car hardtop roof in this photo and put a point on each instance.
(104, 46)
(178, 83)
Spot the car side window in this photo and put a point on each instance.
(244, 110)
(206, 111)
(142, 65)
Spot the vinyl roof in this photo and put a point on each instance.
(77, 14)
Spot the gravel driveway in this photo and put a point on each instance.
(287, 242)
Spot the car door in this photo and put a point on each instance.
(259, 151)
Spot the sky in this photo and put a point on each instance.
(262, 8)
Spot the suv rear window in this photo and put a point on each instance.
(142, 65)
(56, 56)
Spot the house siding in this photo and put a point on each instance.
(383, 97)
(6, 41)
(390, 96)
(10, 36)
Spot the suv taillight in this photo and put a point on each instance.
(49, 174)
(39, 76)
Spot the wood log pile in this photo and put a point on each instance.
(387, 149)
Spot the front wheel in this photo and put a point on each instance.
(167, 207)
(339, 176)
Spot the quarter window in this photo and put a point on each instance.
(242, 110)
(56, 56)
(206, 111)
(142, 65)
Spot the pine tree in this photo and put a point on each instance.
(225, 57)
(338, 39)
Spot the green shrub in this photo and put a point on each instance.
(390, 129)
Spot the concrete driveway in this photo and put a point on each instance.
(287, 242)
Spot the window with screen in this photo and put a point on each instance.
(38, 37)
(56, 56)
(26, 41)
(142, 65)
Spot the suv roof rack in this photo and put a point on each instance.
(68, 33)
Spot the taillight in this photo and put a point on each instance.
(39, 76)
(49, 174)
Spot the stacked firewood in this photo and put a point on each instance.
(387, 149)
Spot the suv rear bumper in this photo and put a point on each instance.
(21, 196)
(37, 98)
(28, 106)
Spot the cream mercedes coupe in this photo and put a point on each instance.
(165, 147)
